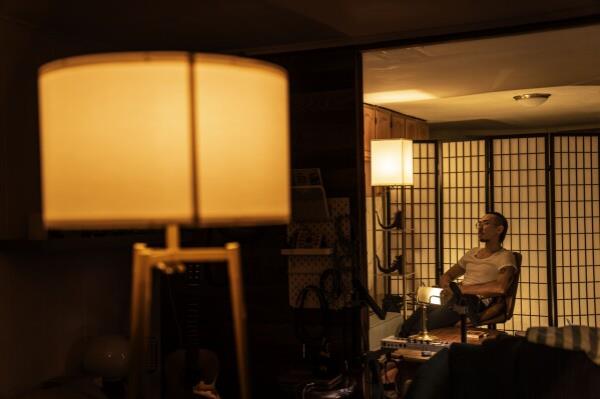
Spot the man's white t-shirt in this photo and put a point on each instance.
(479, 271)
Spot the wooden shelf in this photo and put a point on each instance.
(307, 251)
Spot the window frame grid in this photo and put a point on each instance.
(562, 317)
(520, 315)
(440, 174)
(550, 211)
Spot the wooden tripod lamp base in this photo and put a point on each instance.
(170, 260)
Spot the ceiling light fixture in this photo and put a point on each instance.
(397, 96)
(532, 99)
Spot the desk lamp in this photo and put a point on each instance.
(392, 166)
(163, 139)
(427, 296)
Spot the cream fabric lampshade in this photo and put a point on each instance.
(391, 162)
(146, 139)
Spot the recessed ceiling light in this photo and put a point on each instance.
(532, 99)
(397, 96)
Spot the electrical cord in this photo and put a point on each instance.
(335, 276)
(330, 287)
(344, 245)
(299, 321)
(174, 310)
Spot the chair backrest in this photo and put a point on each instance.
(511, 294)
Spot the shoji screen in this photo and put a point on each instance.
(577, 229)
(424, 215)
(519, 193)
(463, 197)
(554, 217)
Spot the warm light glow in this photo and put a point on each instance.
(397, 96)
(391, 162)
(429, 295)
(243, 146)
(117, 135)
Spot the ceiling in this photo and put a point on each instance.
(273, 25)
(452, 72)
(469, 85)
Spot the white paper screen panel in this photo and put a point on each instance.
(423, 213)
(463, 197)
(519, 184)
(577, 229)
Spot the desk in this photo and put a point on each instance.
(411, 357)
(452, 334)
(447, 335)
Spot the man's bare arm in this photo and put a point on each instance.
(451, 274)
(496, 287)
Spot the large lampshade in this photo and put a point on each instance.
(147, 139)
(391, 162)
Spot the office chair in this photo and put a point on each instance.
(500, 310)
(502, 307)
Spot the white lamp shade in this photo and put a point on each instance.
(146, 139)
(391, 162)
(429, 295)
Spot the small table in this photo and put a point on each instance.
(475, 335)
(448, 335)
(413, 357)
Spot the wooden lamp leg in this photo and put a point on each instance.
(144, 260)
(236, 290)
(141, 291)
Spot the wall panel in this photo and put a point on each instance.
(463, 197)
(577, 238)
(424, 213)
(519, 193)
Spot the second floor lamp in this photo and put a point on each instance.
(392, 167)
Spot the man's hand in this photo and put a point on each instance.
(445, 295)
(445, 281)
(450, 275)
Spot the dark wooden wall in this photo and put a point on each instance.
(325, 106)
(326, 133)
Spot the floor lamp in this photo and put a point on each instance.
(161, 140)
(392, 166)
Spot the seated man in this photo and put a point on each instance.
(488, 272)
